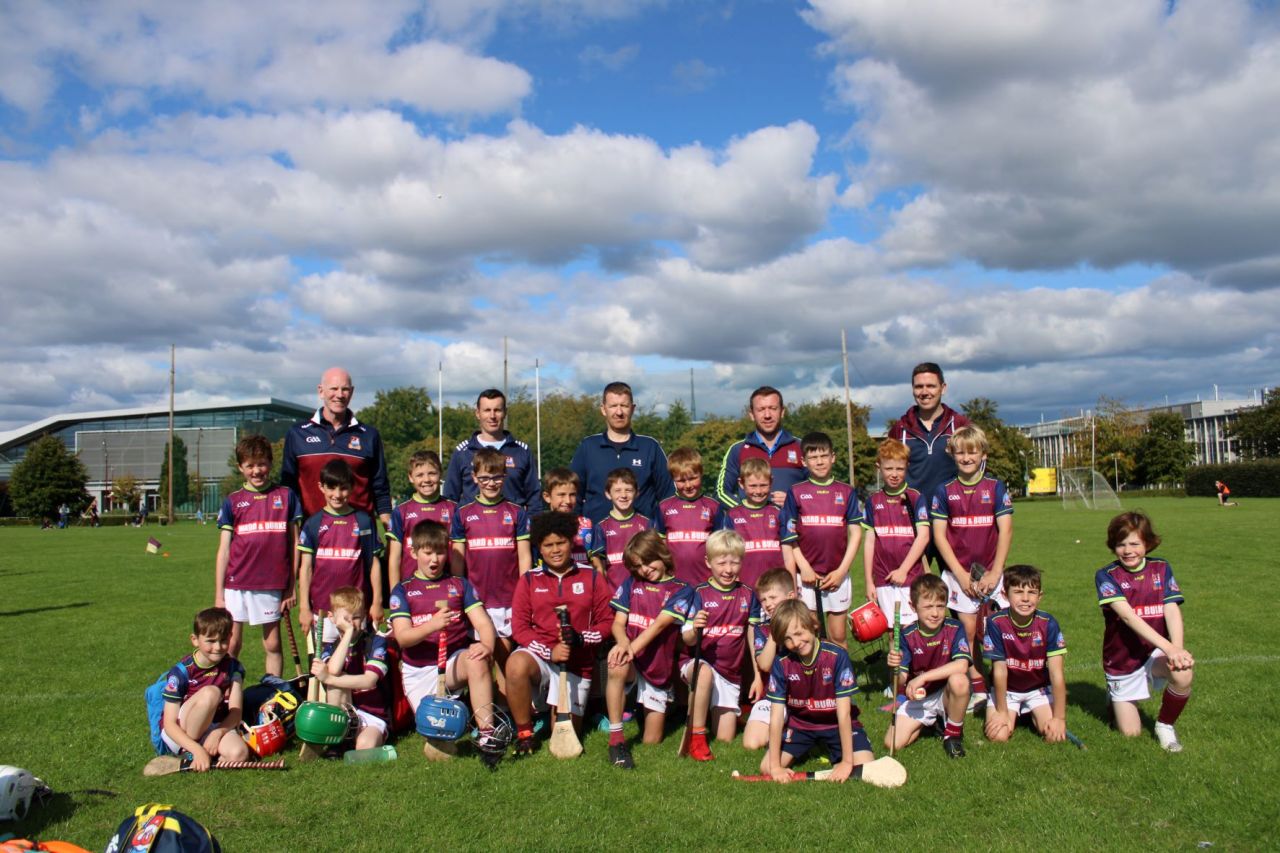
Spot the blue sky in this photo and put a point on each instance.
(1054, 202)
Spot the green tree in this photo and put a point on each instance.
(1010, 452)
(181, 487)
(1164, 454)
(47, 477)
(125, 491)
(1258, 430)
(402, 415)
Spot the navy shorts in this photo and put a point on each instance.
(798, 742)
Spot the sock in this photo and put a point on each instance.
(1171, 706)
(616, 737)
(524, 731)
(953, 729)
(977, 684)
(698, 735)
(857, 771)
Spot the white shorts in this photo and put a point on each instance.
(1137, 685)
(369, 720)
(925, 711)
(501, 617)
(761, 711)
(255, 606)
(724, 693)
(649, 695)
(1020, 703)
(961, 603)
(420, 681)
(887, 596)
(549, 685)
(833, 601)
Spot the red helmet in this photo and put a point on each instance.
(868, 622)
(267, 738)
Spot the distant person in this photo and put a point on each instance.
(521, 484)
(1224, 494)
(619, 447)
(64, 515)
(334, 433)
(926, 428)
(768, 441)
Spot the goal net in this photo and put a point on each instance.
(1085, 488)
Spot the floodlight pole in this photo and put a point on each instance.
(1093, 456)
(537, 410)
(440, 409)
(172, 364)
(848, 407)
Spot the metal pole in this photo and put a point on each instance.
(537, 411)
(440, 409)
(172, 366)
(1093, 457)
(693, 402)
(848, 407)
(505, 395)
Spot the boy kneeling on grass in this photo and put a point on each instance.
(204, 695)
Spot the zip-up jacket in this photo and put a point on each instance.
(520, 486)
(930, 465)
(785, 459)
(310, 444)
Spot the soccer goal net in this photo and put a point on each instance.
(1085, 488)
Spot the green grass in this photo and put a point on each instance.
(87, 620)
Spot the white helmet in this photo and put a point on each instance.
(17, 786)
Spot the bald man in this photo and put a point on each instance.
(334, 433)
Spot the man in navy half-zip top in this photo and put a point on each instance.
(925, 429)
(768, 441)
(334, 433)
(521, 483)
(619, 447)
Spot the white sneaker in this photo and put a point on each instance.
(1168, 738)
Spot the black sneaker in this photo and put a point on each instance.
(525, 746)
(953, 747)
(620, 756)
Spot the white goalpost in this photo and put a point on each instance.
(1085, 488)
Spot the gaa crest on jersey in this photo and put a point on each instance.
(846, 678)
(792, 457)
(827, 676)
(706, 514)
(277, 502)
(172, 684)
(773, 522)
(511, 463)
(1036, 640)
(1173, 585)
(507, 519)
(354, 443)
(987, 645)
(1157, 581)
(1108, 589)
(839, 499)
(963, 645)
(984, 498)
(396, 602)
(579, 587)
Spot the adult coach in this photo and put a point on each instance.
(767, 441)
(334, 433)
(926, 428)
(619, 447)
(521, 483)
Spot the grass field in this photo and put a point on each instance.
(87, 620)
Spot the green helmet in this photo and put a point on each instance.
(324, 725)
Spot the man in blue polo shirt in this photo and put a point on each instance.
(768, 441)
(925, 429)
(619, 447)
(334, 433)
(521, 483)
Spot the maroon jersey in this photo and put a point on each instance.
(810, 689)
(895, 520)
(1025, 649)
(490, 532)
(970, 513)
(643, 602)
(761, 529)
(1147, 591)
(686, 525)
(730, 612)
(343, 548)
(817, 517)
(409, 515)
(187, 678)
(535, 624)
(416, 599)
(922, 651)
(609, 540)
(261, 553)
(367, 653)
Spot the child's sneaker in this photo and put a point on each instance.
(977, 702)
(525, 746)
(700, 751)
(953, 747)
(1168, 738)
(620, 756)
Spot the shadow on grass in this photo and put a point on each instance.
(30, 610)
(58, 807)
(1091, 698)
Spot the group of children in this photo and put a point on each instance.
(743, 612)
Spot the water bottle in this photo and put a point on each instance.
(386, 752)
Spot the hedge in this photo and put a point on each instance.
(1257, 479)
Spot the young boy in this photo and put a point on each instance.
(716, 617)
(352, 668)
(896, 524)
(204, 695)
(644, 642)
(932, 658)
(758, 522)
(821, 529)
(253, 571)
(687, 518)
(612, 533)
(560, 487)
(432, 607)
(972, 525)
(491, 539)
(1142, 642)
(774, 587)
(1025, 648)
(536, 627)
(425, 505)
(339, 547)
(811, 690)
